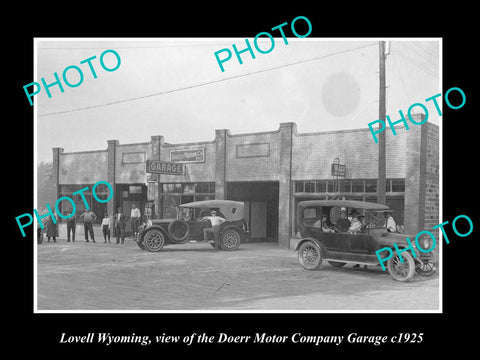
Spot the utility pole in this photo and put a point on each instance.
(382, 162)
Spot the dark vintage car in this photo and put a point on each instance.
(320, 243)
(189, 225)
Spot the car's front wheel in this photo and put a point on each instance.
(310, 255)
(230, 240)
(153, 240)
(401, 271)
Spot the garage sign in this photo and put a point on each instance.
(164, 167)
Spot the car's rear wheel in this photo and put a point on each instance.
(401, 271)
(179, 230)
(153, 240)
(337, 263)
(427, 267)
(230, 240)
(310, 255)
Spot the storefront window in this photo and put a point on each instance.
(398, 185)
(309, 186)
(189, 188)
(321, 186)
(357, 186)
(299, 186)
(182, 193)
(345, 186)
(371, 185)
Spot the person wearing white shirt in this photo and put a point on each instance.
(135, 217)
(215, 229)
(106, 228)
(391, 225)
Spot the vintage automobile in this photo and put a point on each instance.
(320, 243)
(189, 225)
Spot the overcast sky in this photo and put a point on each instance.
(175, 88)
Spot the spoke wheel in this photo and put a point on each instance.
(154, 240)
(309, 255)
(427, 268)
(179, 230)
(230, 240)
(401, 271)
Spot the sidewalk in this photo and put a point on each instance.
(80, 234)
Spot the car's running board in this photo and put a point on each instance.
(353, 262)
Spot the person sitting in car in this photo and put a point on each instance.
(356, 225)
(322, 223)
(343, 224)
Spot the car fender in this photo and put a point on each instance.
(153, 227)
(315, 241)
(232, 226)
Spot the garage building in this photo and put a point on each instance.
(270, 171)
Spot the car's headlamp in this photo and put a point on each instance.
(425, 243)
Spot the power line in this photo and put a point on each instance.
(206, 83)
(420, 65)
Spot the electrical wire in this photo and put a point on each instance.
(206, 83)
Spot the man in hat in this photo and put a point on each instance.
(215, 229)
(343, 224)
(390, 222)
(356, 225)
(119, 223)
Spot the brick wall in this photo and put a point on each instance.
(314, 153)
(82, 167)
(127, 169)
(194, 172)
(432, 190)
(253, 157)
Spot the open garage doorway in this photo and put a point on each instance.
(261, 207)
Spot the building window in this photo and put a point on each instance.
(358, 186)
(175, 194)
(371, 185)
(398, 185)
(299, 188)
(345, 186)
(321, 186)
(309, 186)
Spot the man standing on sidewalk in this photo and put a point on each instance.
(88, 218)
(135, 217)
(71, 226)
(119, 223)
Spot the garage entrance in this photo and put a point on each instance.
(261, 207)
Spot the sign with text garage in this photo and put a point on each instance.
(164, 167)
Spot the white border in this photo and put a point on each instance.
(440, 291)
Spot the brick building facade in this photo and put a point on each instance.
(270, 171)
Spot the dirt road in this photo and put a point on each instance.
(87, 276)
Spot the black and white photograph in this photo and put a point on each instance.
(229, 181)
(197, 175)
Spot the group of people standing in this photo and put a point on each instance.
(88, 218)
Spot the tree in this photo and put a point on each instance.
(46, 187)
